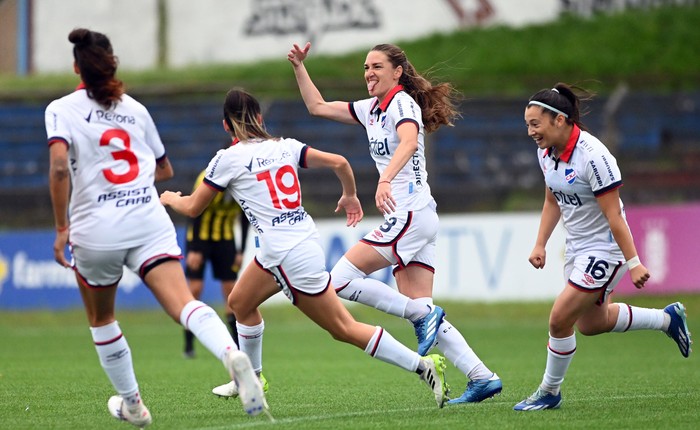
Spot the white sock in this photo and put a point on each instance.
(456, 349)
(634, 318)
(376, 294)
(353, 284)
(206, 325)
(384, 347)
(250, 340)
(115, 358)
(560, 352)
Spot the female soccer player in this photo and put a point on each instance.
(105, 146)
(260, 172)
(402, 107)
(582, 188)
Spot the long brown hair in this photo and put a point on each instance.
(437, 101)
(243, 115)
(93, 54)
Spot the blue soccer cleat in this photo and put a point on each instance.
(427, 329)
(539, 400)
(678, 328)
(479, 390)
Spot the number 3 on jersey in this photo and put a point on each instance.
(283, 188)
(125, 154)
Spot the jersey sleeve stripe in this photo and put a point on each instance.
(411, 120)
(351, 109)
(53, 140)
(611, 187)
(207, 181)
(302, 157)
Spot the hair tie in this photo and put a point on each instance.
(555, 90)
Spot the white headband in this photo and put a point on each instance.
(546, 106)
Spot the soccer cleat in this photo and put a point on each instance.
(479, 390)
(678, 328)
(434, 377)
(539, 400)
(230, 389)
(427, 329)
(250, 390)
(188, 354)
(118, 410)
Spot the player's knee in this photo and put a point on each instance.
(344, 272)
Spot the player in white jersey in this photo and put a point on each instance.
(104, 145)
(582, 189)
(260, 172)
(402, 107)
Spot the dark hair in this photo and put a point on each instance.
(437, 102)
(243, 115)
(93, 54)
(562, 97)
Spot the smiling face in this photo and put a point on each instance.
(380, 75)
(545, 130)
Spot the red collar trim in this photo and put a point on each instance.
(81, 86)
(389, 97)
(570, 145)
(235, 141)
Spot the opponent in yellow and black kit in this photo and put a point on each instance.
(211, 238)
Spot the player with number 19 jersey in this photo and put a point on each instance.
(261, 174)
(112, 157)
(583, 172)
(410, 187)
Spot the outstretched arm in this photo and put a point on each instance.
(192, 205)
(317, 106)
(348, 201)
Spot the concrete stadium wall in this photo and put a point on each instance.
(242, 31)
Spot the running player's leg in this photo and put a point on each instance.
(416, 282)
(97, 274)
(350, 274)
(329, 313)
(166, 280)
(194, 272)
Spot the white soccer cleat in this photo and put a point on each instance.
(230, 389)
(226, 390)
(141, 418)
(250, 390)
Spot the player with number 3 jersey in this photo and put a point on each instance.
(105, 155)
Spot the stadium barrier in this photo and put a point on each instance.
(480, 257)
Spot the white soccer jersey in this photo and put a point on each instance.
(262, 176)
(585, 170)
(112, 155)
(410, 187)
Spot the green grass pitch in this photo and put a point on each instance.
(50, 377)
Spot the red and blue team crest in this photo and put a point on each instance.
(371, 121)
(570, 176)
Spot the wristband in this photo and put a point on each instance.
(633, 262)
(388, 182)
(62, 229)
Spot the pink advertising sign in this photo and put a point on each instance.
(668, 243)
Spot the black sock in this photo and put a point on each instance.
(189, 341)
(232, 324)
